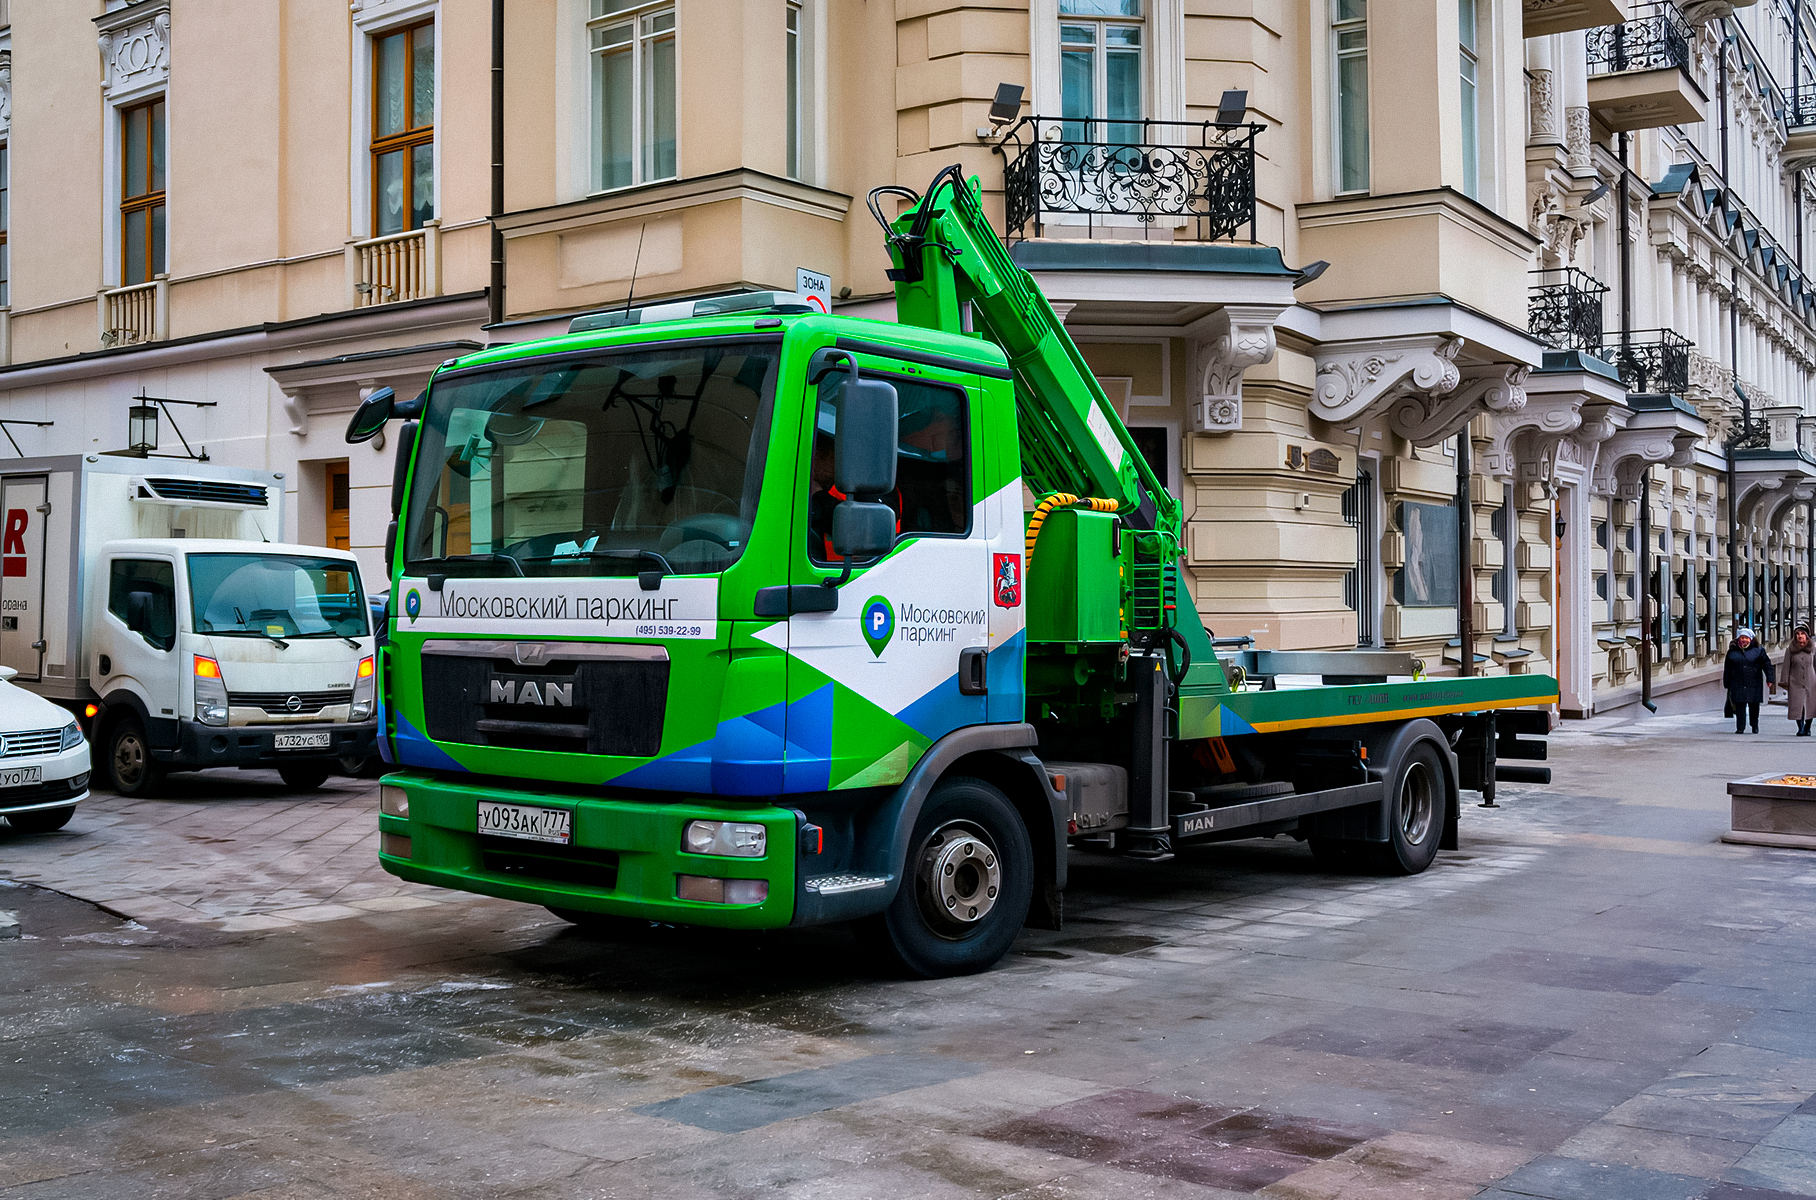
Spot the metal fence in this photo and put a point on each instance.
(1657, 36)
(1564, 309)
(1651, 360)
(1156, 172)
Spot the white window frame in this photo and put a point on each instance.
(810, 47)
(372, 20)
(1336, 57)
(1163, 65)
(635, 14)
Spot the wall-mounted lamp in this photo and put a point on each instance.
(1233, 107)
(1558, 528)
(142, 428)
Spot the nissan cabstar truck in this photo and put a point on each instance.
(730, 612)
(154, 600)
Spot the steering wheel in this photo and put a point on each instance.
(722, 529)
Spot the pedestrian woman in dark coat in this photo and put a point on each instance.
(1746, 675)
(1800, 680)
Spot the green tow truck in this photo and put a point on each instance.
(730, 612)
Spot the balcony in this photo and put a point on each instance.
(1639, 71)
(397, 266)
(1651, 360)
(1542, 17)
(132, 316)
(1800, 128)
(1564, 309)
(1130, 175)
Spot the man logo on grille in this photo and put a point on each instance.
(294, 704)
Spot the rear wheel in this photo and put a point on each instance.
(1418, 802)
(304, 776)
(45, 820)
(129, 761)
(966, 885)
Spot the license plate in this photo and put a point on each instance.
(531, 824)
(302, 741)
(21, 777)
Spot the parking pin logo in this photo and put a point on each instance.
(413, 604)
(879, 624)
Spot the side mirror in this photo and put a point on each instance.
(861, 529)
(863, 461)
(370, 416)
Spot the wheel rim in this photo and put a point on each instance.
(129, 760)
(1416, 804)
(959, 877)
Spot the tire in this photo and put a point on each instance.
(45, 820)
(355, 766)
(305, 776)
(1418, 803)
(129, 762)
(966, 885)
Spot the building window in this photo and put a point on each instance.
(1467, 68)
(1505, 583)
(6, 265)
(1100, 70)
(1349, 46)
(794, 90)
(403, 129)
(142, 192)
(1602, 569)
(633, 53)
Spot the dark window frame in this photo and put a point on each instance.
(411, 135)
(144, 205)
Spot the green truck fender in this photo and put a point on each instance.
(983, 751)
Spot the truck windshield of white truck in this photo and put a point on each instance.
(276, 596)
(611, 463)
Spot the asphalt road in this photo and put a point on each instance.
(1593, 999)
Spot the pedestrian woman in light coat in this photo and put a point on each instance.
(1800, 680)
(1746, 675)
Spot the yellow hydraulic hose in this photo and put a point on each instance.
(1059, 500)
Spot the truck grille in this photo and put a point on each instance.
(579, 705)
(278, 703)
(558, 864)
(29, 745)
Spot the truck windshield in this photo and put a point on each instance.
(276, 596)
(645, 460)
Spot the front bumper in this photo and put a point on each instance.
(201, 745)
(624, 860)
(65, 781)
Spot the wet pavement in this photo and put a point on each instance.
(1593, 999)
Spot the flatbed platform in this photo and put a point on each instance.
(1236, 713)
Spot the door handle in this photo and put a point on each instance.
(972, 671)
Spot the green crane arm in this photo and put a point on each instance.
(947, 256)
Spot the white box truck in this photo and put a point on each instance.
(154, 599)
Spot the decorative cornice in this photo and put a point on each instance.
(1523, 441)
(135, 49)
(1626, 455)
(1237, 336)
(1427, 419)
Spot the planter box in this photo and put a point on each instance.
(1774, 810)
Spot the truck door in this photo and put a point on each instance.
(900, 663)
(23, 502)
(135, 639)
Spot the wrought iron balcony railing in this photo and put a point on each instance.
(1200, 173)
(1657, 36)
(1564, 309)
(1800, 106)
(1651, 360)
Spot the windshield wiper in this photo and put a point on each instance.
(280, 642)
(649, 581)
(516, 568)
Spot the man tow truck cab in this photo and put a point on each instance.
(733, 613)
(155, 602)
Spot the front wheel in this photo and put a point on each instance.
(966, 885)
(44, 820)
(304, 776)
(129, 761)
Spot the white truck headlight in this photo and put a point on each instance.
(727, 838)
(210, 692)
(393, 801)
(363, 691)
(72, 736)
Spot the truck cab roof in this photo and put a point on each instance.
(222, 546)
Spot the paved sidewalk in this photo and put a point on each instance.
(232, 850)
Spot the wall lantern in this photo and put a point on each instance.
(142, 428)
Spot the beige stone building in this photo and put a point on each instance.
(1314, 250)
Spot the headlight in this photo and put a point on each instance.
(726, 838)
(210, 692)
(393, 801)
(72, 736)
(362, 692)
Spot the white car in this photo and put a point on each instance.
(43, 760)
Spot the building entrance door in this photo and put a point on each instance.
(339, 535)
